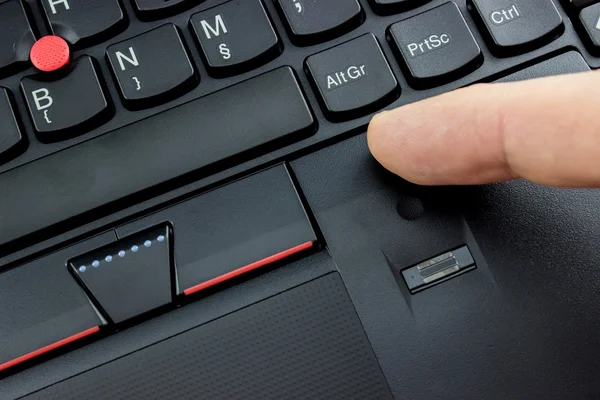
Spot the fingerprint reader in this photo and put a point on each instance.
(438, 269)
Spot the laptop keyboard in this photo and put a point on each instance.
(136, 98)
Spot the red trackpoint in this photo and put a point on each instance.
(50, 53)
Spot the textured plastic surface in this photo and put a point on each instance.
(286, 347)
(50, 53)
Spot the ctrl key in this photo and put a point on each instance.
(352, 79)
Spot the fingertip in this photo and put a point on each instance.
(391, 137)
(380, 138)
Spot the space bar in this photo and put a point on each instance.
(259, 114)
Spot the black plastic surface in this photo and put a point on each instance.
(522, 326)
(233, 226)
(292, 55)
(285, 347)
(129, 277)
(11, 138)
(84, 22)
(166, 325)
(16, 36)
(41, 304)
(269, 110)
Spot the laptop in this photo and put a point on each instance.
(189, 209)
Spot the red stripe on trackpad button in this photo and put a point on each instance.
(250, 267)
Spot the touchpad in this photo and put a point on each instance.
(306, 343)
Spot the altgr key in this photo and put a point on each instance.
(435, 47)
(353, 79)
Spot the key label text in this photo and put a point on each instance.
(346, 76)
(431, 43)
(43, 101)
(504, 16)
(131, 59)
(54, 3)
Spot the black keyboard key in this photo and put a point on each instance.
(69, 105)
(152, 68)
(235, 37)
(353, 79)
(16, 37)
(130, 277)
(517, 26)
(436, 46)
(11, 139)
(83, 22)
(590, 19)
(156, 9)
(43, 309)
(257, 115)
(385, 7)
(316, 21)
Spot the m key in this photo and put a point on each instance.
(235, 37)
(152, 68)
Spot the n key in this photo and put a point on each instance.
(152, 68)
(235, 37)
